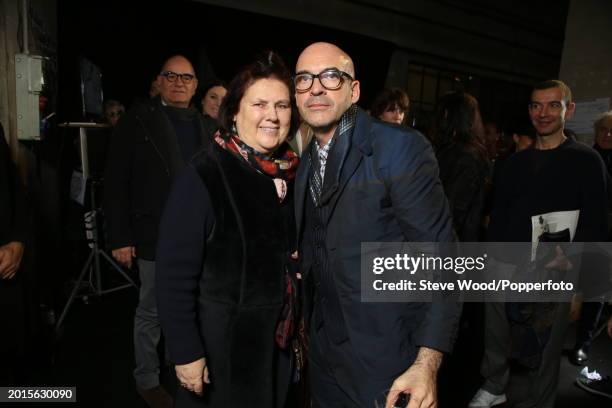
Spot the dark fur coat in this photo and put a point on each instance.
(241, 284)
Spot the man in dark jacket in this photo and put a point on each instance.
(149, 146)
(13, 229)
(361, 180)
(558, 176)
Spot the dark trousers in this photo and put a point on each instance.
(338, 379)
(587, 325)
(147, 330)
(13, 329)
(544, 380)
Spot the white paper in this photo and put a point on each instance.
(77, 187)
(552, 222)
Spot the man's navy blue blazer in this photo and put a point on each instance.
(381, 185)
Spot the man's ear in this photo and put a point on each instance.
(355, 91)
(569, 112)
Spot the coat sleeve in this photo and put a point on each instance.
(593, 218)
(118, 187)
(13, 193)
(187, 221)
(421, 209)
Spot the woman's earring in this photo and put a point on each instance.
(234, 130)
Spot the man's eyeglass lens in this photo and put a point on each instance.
(173, 76)
(331, 80)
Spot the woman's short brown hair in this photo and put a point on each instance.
(266, 65)
(389, 99)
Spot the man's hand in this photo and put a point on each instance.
(10, 259)
(560, 262)
(192, 376)
(125, 255)
(420, 381)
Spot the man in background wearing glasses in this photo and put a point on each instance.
(113, 110)
(362, 180)
(149, 146)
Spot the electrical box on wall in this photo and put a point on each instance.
(29, 83)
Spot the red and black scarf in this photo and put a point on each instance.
(282, 164)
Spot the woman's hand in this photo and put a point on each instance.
(193, 375)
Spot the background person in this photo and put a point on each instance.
(462, 157)
(391, 105)
(13, 233)
(148, 148)
(213, 94)
(113, 110)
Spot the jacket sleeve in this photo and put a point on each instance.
(14, 196)
(421, 208)
(187, 221)
(593, 218)
(118, 188)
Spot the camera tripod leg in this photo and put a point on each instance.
(75, 289)
(119, 269)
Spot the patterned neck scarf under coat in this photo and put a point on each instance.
(317, 173)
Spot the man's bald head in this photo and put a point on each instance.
(178, 62)
(334, 55)
(322, 107)
(179, 91)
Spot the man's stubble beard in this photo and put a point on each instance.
(323, 128)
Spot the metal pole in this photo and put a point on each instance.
(24, 24)
(84, 155)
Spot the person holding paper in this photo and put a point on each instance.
(556, 177)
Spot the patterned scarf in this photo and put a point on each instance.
(281, 166)
(317, 165)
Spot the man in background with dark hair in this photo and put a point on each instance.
(13, 230)
(557, 175)
(149, 146)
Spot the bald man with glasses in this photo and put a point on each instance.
(149, 147)
(362, 180)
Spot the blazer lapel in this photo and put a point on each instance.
(330, 196)
(206, 132)
(341, 168)
(301, 185)
(165, 140)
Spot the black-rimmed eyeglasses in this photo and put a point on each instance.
(173, 76)
(330, 79)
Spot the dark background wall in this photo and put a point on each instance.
(494, 50)
(514, 40)
(130, 44)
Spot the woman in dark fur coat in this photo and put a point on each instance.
(224, 248)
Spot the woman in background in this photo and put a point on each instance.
(391, 105)
(462, 157)
(213, 92)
